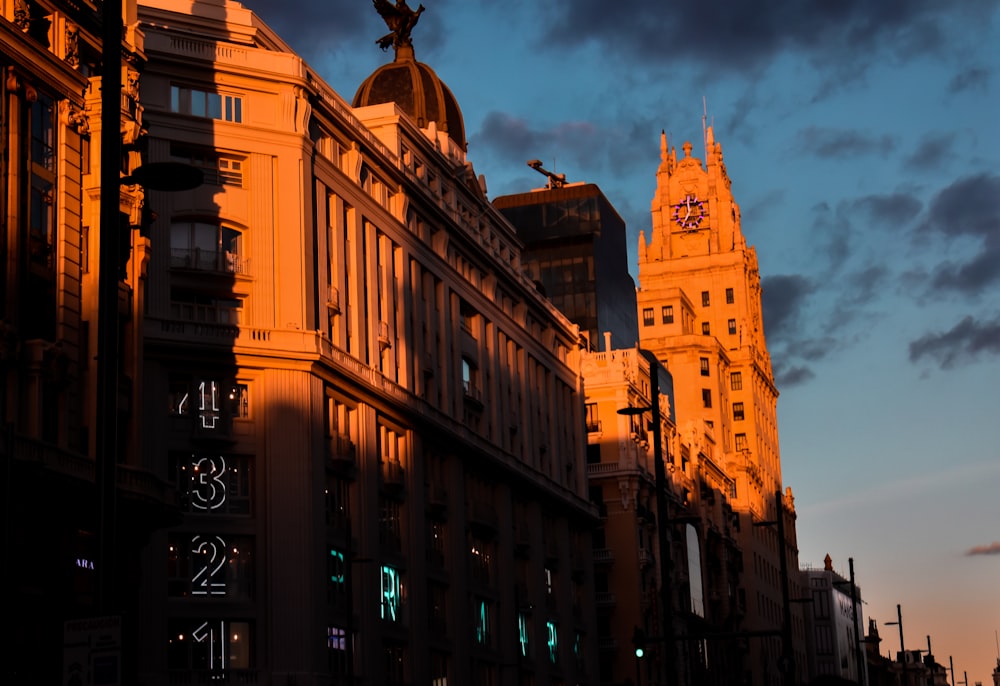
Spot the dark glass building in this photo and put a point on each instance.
(574, 246)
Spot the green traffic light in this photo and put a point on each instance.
(639, 652)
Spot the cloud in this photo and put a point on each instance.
(933, 151)
(991, 549)
(789, 376)
(783, 299)
(963, 343)
(741, 37)
(972, 78)
(970, 206)
(890, 209)
(841, 144)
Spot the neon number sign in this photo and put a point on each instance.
(522, 632)
(553, 641)
(208, 404)
(391, 590)
(210, 637)
(208, 490)
(211, 555)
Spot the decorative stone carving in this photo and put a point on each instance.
(74, 117)
(72, 45)
(22, 15)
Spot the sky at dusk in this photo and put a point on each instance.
(863, 144)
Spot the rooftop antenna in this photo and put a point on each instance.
(555, 180)
(704, 127)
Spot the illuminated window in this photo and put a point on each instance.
(483, 622)
(337, 650)
(729, 296)
(481, 558)
(553, 641)
(732, 326)
(706, 397)
(736, 381)
(738, 411)
(705, 299)
(647, 316)
(703, 362)
(209, 645)
(522, 632)
(667, 314)
(741, 441)
(439, 669)
(200, 103)
(706, 329)
(205, 565)
(213, 484)
(392, 594)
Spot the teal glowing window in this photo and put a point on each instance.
(522, 633)
(553, 643)
(483, 623)
(392, 592)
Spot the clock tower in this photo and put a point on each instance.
(699, 302)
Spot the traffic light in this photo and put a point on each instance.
(639, 641)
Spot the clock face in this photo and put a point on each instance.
(689, 212)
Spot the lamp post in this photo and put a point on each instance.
(902, 646)
(663, 517)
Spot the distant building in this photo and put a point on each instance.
(574, 246)
(699, 304)
(834, 624)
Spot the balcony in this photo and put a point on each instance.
(205, 677)
(217, 261)
(333, 300)
(393, 475)
(484, 516)
(645, 557)
(340, 452)
(603, 556)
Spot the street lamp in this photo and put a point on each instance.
(663, 516)
(902, 648)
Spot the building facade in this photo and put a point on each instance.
(699, 304)
(68, 549)
(835, 621)
(373, 419)
(574, 245)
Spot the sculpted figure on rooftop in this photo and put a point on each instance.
(400, 19)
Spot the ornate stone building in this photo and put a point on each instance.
(61, 241)
(699, 306)
(373, 419)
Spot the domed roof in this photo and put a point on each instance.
(416, 90)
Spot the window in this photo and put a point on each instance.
(217, 169)
(214, 645)
(732, 326)
(39, 317)
(703, 361)
(553, 641)
(213, 484)
(593, 423)
(204, 104)
(736, 381)
(738, 414)
(210, 566)
(470, 380)
(706, 397)
(706, 330)
(705, 300)
(729, 296)
(647, 316)
(392, 594)
(741, 441)
(483, 623)
(207, 247)
(667, 313)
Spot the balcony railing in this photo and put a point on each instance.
(213, 677)
(224, 262)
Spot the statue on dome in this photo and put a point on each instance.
(400, 19)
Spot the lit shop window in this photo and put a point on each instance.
(215, 645)
(210, 566)
(213, 484)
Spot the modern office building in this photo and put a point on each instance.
(834, 625)
(699, 306)
(574, 245)
(374, 420)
